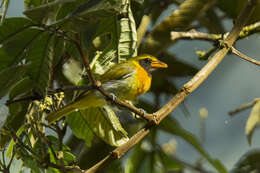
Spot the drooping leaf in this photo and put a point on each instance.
(10, 76)
(173, 127)
(135, 160)
(127, 43)
(105, 124)
(253, 121)
(40, 57)
(80, 127)
(249, 162)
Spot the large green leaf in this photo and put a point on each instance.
(105, 124)
(173, 127)
(13, 26)
(80, 127)
(40, 57)
(87, 14)
(15, 37)
(10, 76)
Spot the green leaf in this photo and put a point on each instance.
(40, 57)
(21, 88)
(173, 127)
(105, 124)
(248, 163)
(13, 26)
(80, 127)
(135, 160)
(253, 121)
(87, 14)
(10, 76)
(43, 11)
(15, 41)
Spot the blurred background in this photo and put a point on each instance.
(233, 83)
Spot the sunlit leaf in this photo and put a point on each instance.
(173, 127)
(253, 121)
(80, 127)
(105, 124)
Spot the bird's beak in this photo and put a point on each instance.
(158, 64)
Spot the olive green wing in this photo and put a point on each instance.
(119, 71)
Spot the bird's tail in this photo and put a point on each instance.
(59, 113)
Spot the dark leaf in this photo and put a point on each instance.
(40, 57)
(10, 76)
(248, 163)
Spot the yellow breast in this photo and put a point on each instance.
(143, 80)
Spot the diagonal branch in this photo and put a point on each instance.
(186, 90)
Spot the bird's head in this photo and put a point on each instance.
(149, 63)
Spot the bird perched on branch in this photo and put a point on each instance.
(126, 80)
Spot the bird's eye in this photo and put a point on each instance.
(147, 60)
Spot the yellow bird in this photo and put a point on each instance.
(126, 80)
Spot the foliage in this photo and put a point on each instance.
(39, 53)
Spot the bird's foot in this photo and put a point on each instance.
(112, 97)
(138, 116)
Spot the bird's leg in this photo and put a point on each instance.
(111, 99)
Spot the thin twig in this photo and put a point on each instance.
(243, 107)
(186, 90)
(193, 34)
(243, 56)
